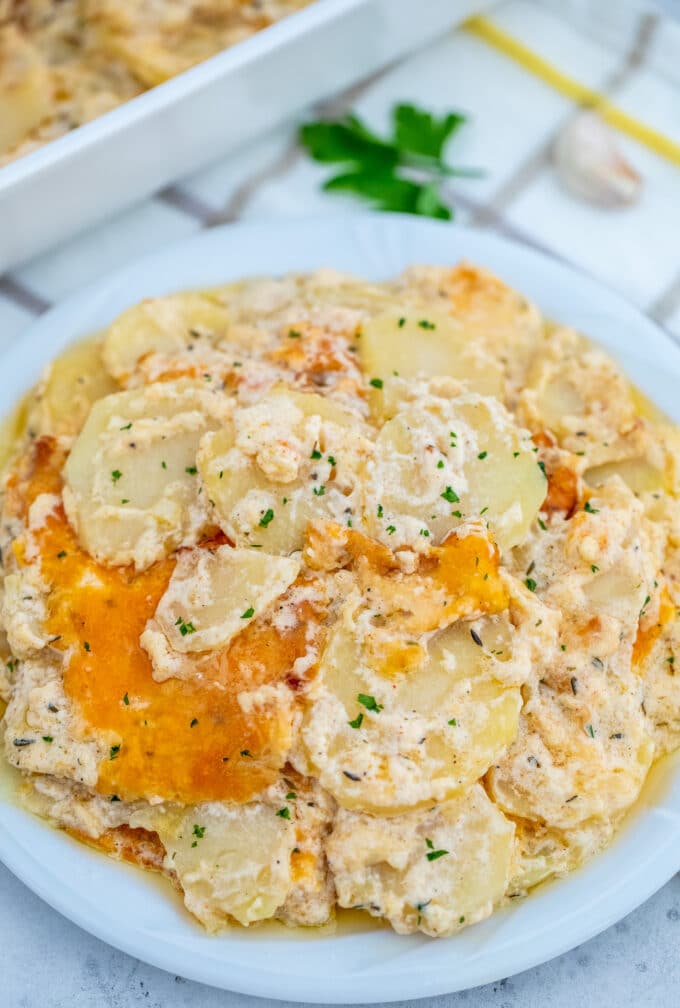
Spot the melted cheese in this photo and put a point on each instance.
(185, 741)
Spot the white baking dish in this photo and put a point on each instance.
(204, 113)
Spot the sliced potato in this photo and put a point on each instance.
(436, 871)
(232, 861)
(131, 483)
(74, 381)
(168, 325)
(214, 594)
(291, 458)
(430, 345)
(641, 475)
(439, 464)
(384, 743)
(578, 392)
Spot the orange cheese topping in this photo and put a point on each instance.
(187, 741)
(458, 579)
(138, 847)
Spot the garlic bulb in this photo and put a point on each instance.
(590, 165)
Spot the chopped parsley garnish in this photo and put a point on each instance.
(193, 722)
(184, 627)
(530, 583)
(369, 702)
(113, 752)
(432, 854)
(199, 831)
(319, 491)
(426, 324)
(126, 700)
(86, 645)
(316, 454)
(590, 730)
(331, 460)
(248, 613)
(125, 500)
(450, 495)
(542, 524)
(425, 532)
(515, 454)
(116, 475)
(594, 568)
(357, 721)
(266, 518)
(482, 455)
(284, 812)
(164, 465)
(380, 511)
(191, 470)
(440, 464)
(376, 382)
(127, 426)
(294, 334)
(291, 796)
(541, 466)
(47, 738)
(457, 514)
(453, 722)
(61, 555)
(391, 529)
(590, 509)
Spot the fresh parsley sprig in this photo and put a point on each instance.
(402, 173)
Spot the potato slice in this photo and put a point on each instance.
(641, 475)
(214, 594)
(165, 325)
(578, 392)
(232, 861)
(435, 872)
(279, 464)
(131, 485)
(426, 344)
(74, 381)
(384, 743)
(25, 87)
(446, 461)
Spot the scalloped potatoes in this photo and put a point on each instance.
(321, 594)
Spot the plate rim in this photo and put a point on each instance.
(37, 876)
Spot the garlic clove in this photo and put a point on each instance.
(590, 165)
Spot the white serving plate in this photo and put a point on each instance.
(132, 912)
(205, 113)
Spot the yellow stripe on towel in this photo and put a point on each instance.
(540, 67)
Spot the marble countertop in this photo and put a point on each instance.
(46, 961)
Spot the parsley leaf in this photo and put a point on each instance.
(419, 132)
(369, 702)
(402, 172)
